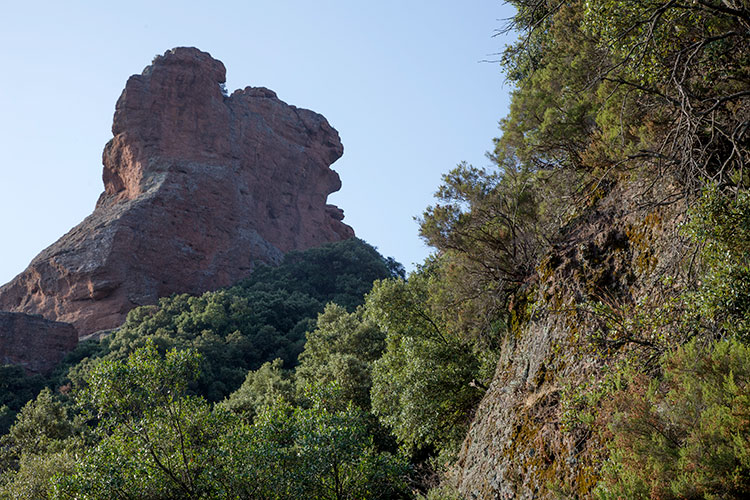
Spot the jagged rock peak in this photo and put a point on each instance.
(199, 186)
(177, 108)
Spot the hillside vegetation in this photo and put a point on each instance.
(582, 329)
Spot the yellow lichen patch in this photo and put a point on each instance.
(643, 237)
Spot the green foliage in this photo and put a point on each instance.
(262, 389)
(233, 330)
(342, 349)
(720, 225)
(489, 218)
(169, 452)
(158, 442)
(428, 379)
(341, 272)
(40, 426)
(263, 318)
(553, 110)
(686, 435)
(443, 492)
(687, 65)
(39, 445)
(603, 83)
(581, 403)
(490, 229)
(320, 452)
(16, 388)
(647, 34)
(123, 391)
(32, 479)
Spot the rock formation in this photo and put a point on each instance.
(199, 187)
(33, 342)
(517, 447)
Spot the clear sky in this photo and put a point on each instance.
(401, 80)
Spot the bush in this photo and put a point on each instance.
(16, 388)
(261, 389)
(720, 226)
(322, 452)
(686, 435)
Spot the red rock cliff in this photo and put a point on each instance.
(33, 342)
(199, 187)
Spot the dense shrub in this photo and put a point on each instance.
(687, 434)
(720, 226)
(16, 388)
(261, 389)
(342, 349)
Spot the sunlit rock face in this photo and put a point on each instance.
(199, 187)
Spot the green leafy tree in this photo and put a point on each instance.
(552, 119)
(489, 229)
(490, 218)
(262, 389)
(609, 83)
(42, 424)
(428, 379)
(41, 443)
(158, 441)
(33, 477)
(237, 329)
(324, 451)
(342, 349)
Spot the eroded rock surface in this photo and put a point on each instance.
(33, 342)
(524, 441)
(199, 187)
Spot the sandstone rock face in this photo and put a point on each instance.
(33, 342)
(199, 187)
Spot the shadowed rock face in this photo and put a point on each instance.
(198, 188)
(33, 342)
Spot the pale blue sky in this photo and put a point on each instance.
(402, 82)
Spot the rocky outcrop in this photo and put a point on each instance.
(199, 187)
(33, 342)
(525, 440)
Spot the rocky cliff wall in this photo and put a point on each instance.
(33, 342)
(199, 187)
(526, 440)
